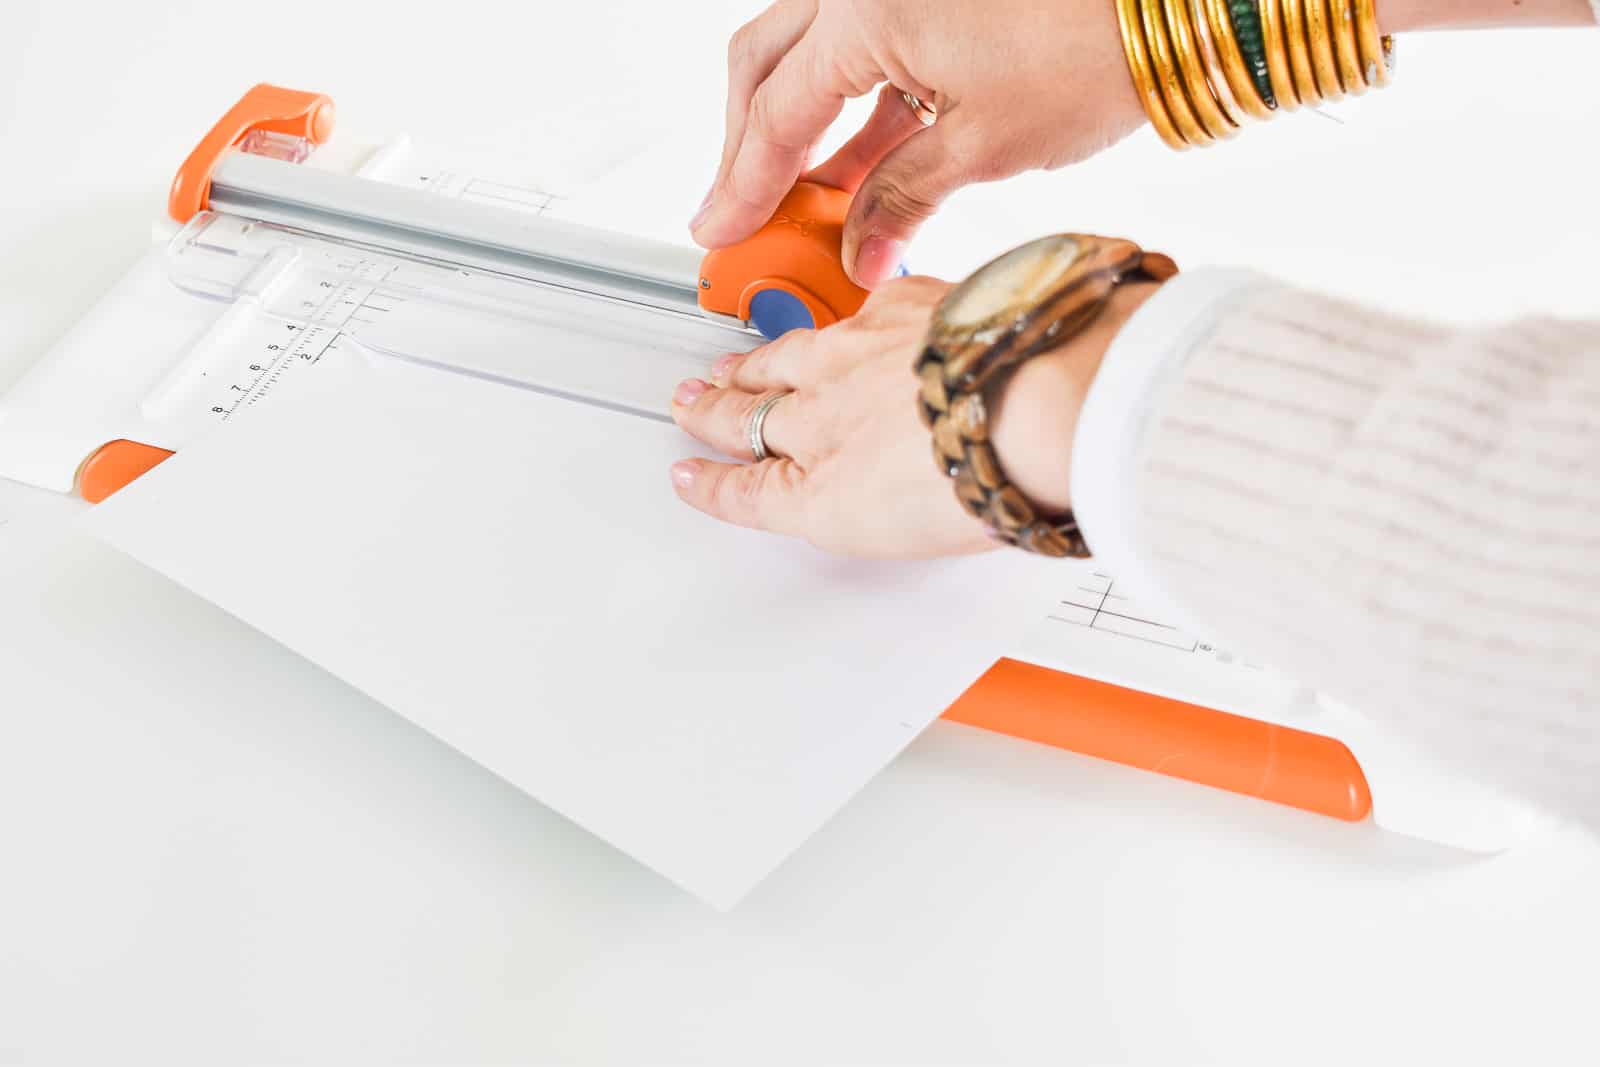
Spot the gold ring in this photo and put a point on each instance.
(926, 113)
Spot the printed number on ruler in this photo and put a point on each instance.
(268, 349)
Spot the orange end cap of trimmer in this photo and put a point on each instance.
(794, 260)
(115, 464)
(265, 107)
(1259, 759)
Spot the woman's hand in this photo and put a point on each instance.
(1018, 85)
(853, 471)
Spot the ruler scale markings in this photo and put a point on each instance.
(338, 308)
(324, 290)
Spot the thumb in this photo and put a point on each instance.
(896, 198)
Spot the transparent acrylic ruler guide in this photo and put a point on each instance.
(293, 297)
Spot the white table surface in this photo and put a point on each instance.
(211, 852)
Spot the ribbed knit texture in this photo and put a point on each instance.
(1402, 515)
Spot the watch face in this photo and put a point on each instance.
(1015, 283)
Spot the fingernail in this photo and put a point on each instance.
(723, 367)
(700, 215)
(683, 472)
(688, 392)
(878, 260)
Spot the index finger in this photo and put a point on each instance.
(788, 113)
(787, 363)
(753, 53)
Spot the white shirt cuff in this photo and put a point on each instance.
(1144, 360)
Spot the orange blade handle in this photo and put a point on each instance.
(796, 252)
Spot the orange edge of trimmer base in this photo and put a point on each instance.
(1199, 744)
(114, 465)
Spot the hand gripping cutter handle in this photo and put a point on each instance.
(789, 274)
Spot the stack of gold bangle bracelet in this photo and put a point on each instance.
(1203, 68)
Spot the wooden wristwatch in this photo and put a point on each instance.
(1025, 303)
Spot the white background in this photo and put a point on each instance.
(211, 852)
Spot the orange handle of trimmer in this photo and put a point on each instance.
(789, 273)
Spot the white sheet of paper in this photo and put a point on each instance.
(513, 572)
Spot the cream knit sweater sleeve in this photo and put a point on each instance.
(1401, 514)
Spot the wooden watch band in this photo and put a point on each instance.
(963, 367)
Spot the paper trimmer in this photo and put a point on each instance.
(274, 257)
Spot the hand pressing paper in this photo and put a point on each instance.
(512, 572)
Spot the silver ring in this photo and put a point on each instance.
(758, 421)
(926, 113)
